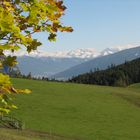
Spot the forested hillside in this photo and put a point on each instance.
(100, 62)
(121, 75)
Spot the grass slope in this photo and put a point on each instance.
(9, 134)
(81, 112)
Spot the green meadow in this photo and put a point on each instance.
(65, 111)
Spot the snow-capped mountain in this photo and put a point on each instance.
(88, 53)
(116, 49)
(100, 62)
(108, 51)
(83, 53)
(41, 63)
(78, 53)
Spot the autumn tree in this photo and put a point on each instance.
(19, 20)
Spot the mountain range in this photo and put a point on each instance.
(54, 64)
(48, 64)
(101, 63)
(87, 53)
(45, 66)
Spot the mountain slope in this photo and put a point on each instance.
(42, 63)
(100, 62)
(121, 75)
(46, 66)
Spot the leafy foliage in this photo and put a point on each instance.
(19, 19)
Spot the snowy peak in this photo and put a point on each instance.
(108, 51)
(78, 53)
(88, 53)
(83, 53)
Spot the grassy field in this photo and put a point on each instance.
(11, 134)
(79, 112)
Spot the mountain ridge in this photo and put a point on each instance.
(121, 75)
(100, 62)
(87, 53)
(40, 65)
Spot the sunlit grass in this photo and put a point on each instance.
(86, 112)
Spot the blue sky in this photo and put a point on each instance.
(97, 24)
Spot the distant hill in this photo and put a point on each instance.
(100, 62)
(46, 66)
(122, 75)
(43, 63)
